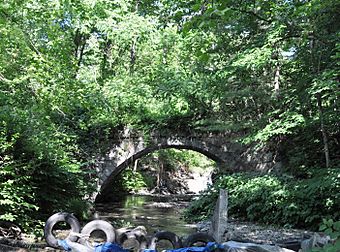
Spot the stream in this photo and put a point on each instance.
(163, 213)
(154, 212)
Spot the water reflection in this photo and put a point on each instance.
(154, 212)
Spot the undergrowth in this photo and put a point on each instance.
(275, 200)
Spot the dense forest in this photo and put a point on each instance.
(74, 72)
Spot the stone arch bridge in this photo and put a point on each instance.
(129, 147)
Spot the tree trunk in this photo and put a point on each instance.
(133, 44)
(323, 130)
(135, 165)
(276, 57)
(160, 172)
(133, 54)
(277, 79)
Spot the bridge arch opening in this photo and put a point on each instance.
(106, 189)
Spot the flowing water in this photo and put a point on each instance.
(155, 213)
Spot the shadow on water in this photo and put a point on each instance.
(154, 212)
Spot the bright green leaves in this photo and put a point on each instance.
(38, 148)
(276, 57)
(16, 200)
(286, 124)
(71, 72)
(331, 227)
(275, 200)
(132, 181)
(253, 59)
(16, 192)
(325, 84)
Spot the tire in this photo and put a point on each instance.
(101, 225)
(121, 234)
(198, 237)
(60, 217)
(135, 237)
(142, 239)
(165, 235)
(130, 242)
(294, 245)
(9, 230)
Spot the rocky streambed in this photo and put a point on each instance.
(250, 232)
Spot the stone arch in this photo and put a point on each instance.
(226, 153)
(106, 187)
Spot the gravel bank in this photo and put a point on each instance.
(250, 232)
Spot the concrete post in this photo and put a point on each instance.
(219, 221)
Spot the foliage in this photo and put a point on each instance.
(148, 168)
(331, 228)
(131, 181)
(275, 200)
(174, 160)
(79, 207)
(74, 73)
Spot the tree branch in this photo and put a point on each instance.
(28, 40)
(4, 79)
(251, 13)
(81, 54)
(76, 41)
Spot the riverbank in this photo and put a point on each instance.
(162, 212)
(236, 231)
(255, 233)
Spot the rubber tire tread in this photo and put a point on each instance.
(60, 217)
(166, 235)
(102, 225)
(197, 237)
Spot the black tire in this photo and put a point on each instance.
(202, 238)
(101, 225)
(165, 235)
(294, 245)
(60, 217)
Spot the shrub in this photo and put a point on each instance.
(32, 186)
(331, 228)
(132, 181)
(274, 200)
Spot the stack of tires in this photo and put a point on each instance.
(127, 239)
(77, 239)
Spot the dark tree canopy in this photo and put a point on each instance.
(72, 73)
